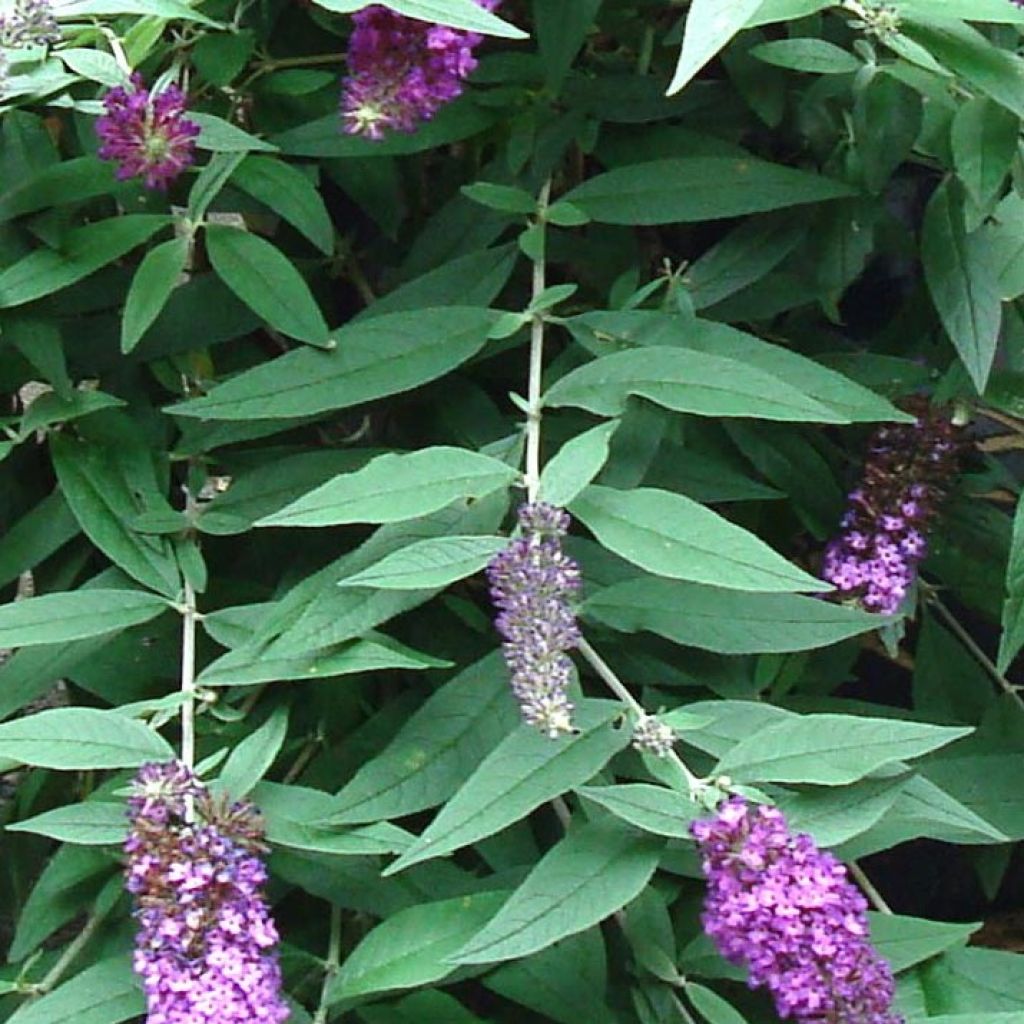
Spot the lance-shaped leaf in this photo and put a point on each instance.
(393, 488)
(525, 770)
(433, 562)
(672, 535)
(104, 993)
(710, 24)
(93, 823)
(594, 871)
(655, 809)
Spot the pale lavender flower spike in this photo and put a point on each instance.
(786, 911)
(147, 135)
(532, 582)
(28, 23)
(205, 946)
(402, 70)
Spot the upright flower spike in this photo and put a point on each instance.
(885, 528)
(148, 136)
(205, 946)
(786, 911)
(402, 70)
(532, 583)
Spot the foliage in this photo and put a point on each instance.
(287, 409)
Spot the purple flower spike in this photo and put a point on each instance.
(402, 71)
(532, 582)
(148, 136)
(205, 946)
(874, 560)
(786, 911)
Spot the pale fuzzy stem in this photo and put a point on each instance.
(188, 678)
(874, 896)
(534, 411)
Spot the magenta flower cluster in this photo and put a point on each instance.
(402, 70)
(786, 911)
(147, 135)
(205, 945)
(885, 528)
(532, 584)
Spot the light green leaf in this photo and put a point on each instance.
(104, 993)
(434, 562)
(984, 137)
(436, 750)
(905, 941)
(267, 282)
(464, 14)
(224, 137)
(84, 251)
(594, 871)
(393, 488)
(93, 823)
(727, 621)
(373, 358)
(156, 278)
(577, 463)
(525, 770)
(81, 738)
(411, 948)
(837, 815)
(74, 615)
(832, 750)
(711, 1006)
(250, 760)
(688, 189)
(1012, 638)
(710, 24)
(686, 381)
(655, 809)
(672, 535)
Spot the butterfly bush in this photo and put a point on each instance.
(532, 584)
(206, 940)
(885, 528)
(786, 911)
(147, 135)
(402, 71)
(27, 23)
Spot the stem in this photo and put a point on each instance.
(188, 678)
(608, 676)
(71, 951)
(331, 964)
(969, 642)
(534, 409)
(876, 898)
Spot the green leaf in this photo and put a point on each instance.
(655, 809)
(594, 871)
(699, 188)
(104, 993)
(411, 948)
(525, 770)
(156, 278)
(58, 618)
(93, 823)
(434, 562)
(436, 750)
(373, 653)
(35, 536)
(711, 1006)
(267, 282)
(905, 941)
(962, 282)
(224, 137)
(984, 137)
(832, 750)
(373, 358)
(81, 738)
(1012, 638)
(67, 182)
(393, 488)
(727, 621)
(464, 14)
(672, 535)
(837, 815)
(250, 760)
(171, 10)
(209, 183)
(289, 193)
(95, 483)
(85, 250)
(887, 120)
(710, 24)
(561, 32)
(685, 381)
(503, 198)
(577, 463)
(813, 55)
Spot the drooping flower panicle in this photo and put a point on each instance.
(532, 584)
(786, 911)
(885, 528)
(147, 135)
(205, 945)
(28, 23)
(402, 70)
